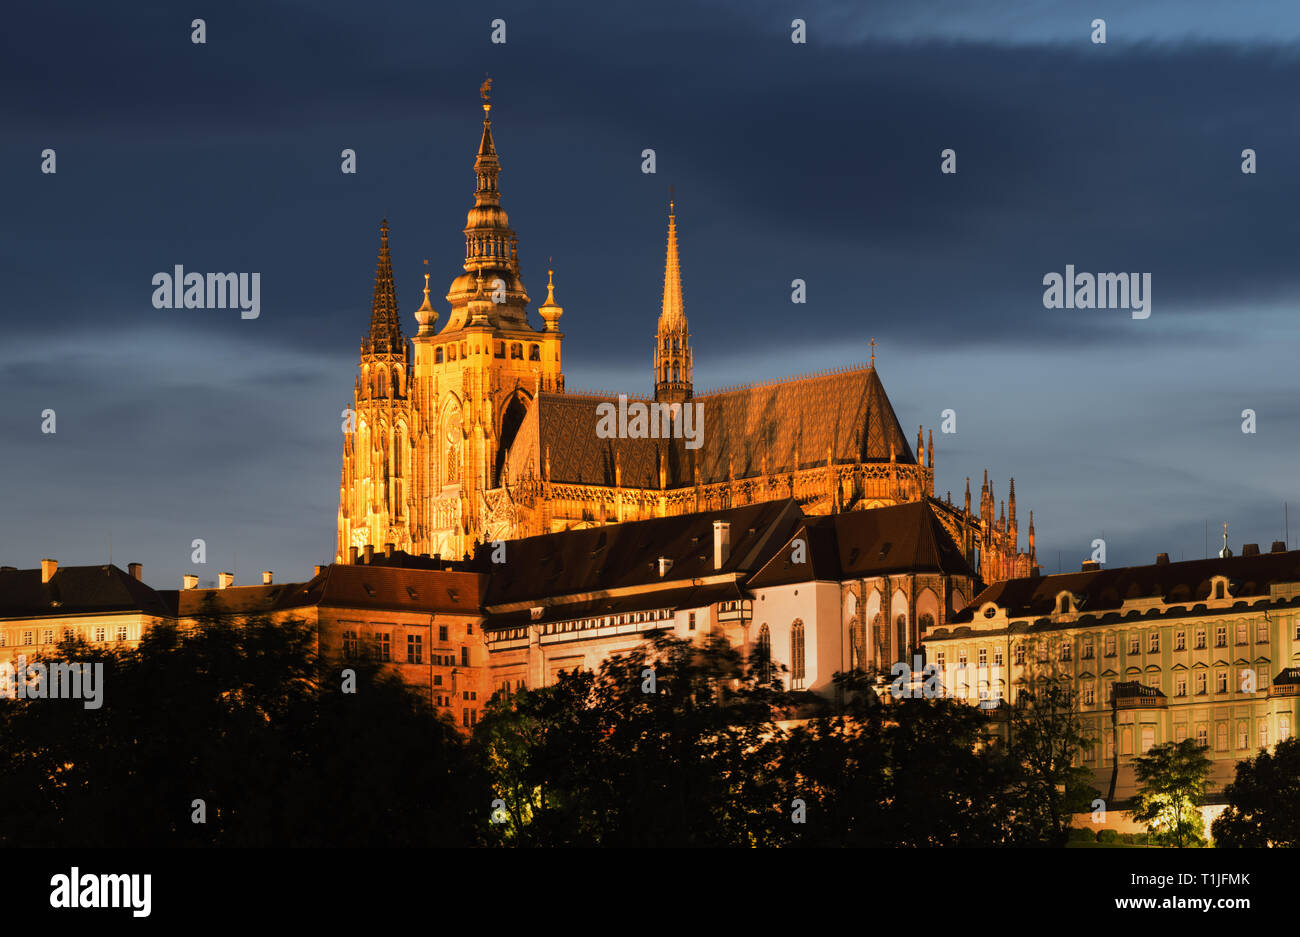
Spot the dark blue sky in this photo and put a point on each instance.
(818, 161)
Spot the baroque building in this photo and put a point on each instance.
(470, 436)
(1203, 649)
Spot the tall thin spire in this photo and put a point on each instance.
(673, 307)
(385, 328)
(672, 354)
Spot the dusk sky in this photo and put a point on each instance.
(818, 161)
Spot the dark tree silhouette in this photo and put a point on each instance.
(1263, 801)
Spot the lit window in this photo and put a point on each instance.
(121, 632)
(1243, 734)
(1242, 633)
(1221, 736)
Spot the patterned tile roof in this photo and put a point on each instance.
(795, 423)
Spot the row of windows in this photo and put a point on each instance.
(516, 352)
(630, 618)
(1200, 733)
(97, 633)
(1065, 646)
(381, 648)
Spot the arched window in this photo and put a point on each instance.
(517, 351)
(796, 655)
(501, 349)
(880, 637)
(764, 650)
(900, 628)
(437, 356)
(534, 353)
(927, 622)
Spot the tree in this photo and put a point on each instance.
(1172, 778)
(1263, 801)
(1046, 738)
(233, 735)
(918, 772)
(671, 744)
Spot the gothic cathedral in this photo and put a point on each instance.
(467, 435)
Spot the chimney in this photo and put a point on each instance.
(721, 543)
(1279, 546)
(1162, 559)
(369, 552)
(225, 580)
(388, 550)
(1090, 566)
(352, 555)
(317, 571)
(48, 569)
(266, 577)
(665, 564)
(1250, 549)
(136, 570)
(191, 582)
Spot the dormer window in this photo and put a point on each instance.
(1063, 604)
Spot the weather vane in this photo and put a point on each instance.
(486, 89)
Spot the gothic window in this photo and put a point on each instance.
(797, 654)
(381, 384)
(858, 644)
(900, 625)
(880, 634)
(764, 649)
(534, 353)
(927, 622)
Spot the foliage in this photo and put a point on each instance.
(245, 719)
(1263, 801)
(1172, 778)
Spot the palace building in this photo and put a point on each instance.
(465, 433)
(1204, 649)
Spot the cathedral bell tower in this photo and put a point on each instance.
(475, 379)
(672, 356)
(373, 491)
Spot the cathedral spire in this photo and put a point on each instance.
(673, 308)
(385, 329)
(672, 354)
(491, 246)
